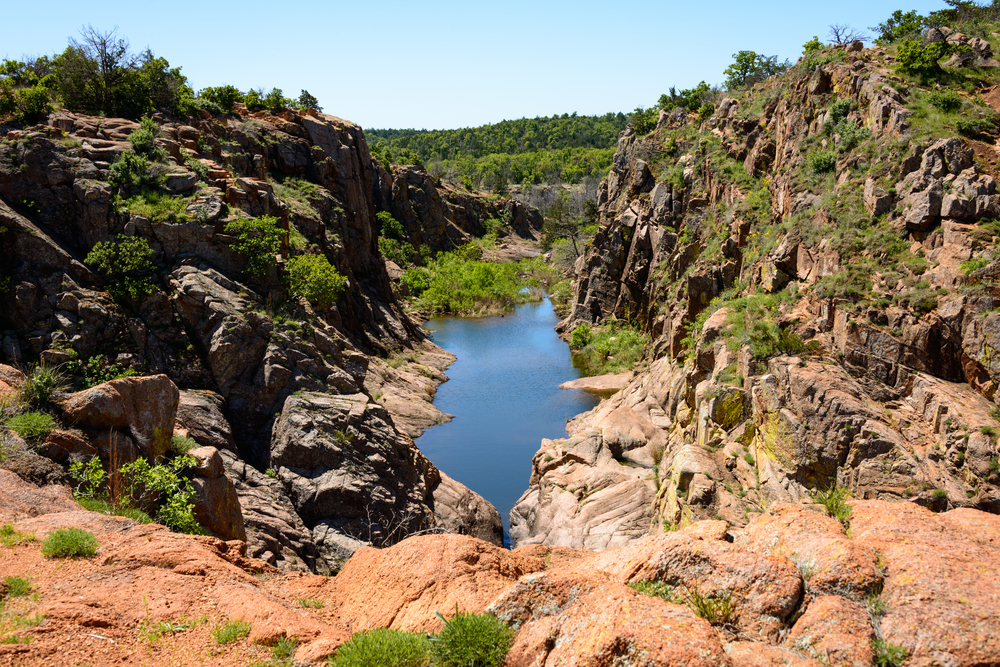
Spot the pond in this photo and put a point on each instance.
(504, 394)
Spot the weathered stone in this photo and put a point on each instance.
(217, 507)
(836, 630)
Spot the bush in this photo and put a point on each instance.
(230, 631)
(40, 382)
(180, 445)
(417, 280)
(467, 640)
(126, 264)
(945, 100)
(974, 264)
(69, 543)
(257, 239)
(129, 172)
(31, 425)
(612, 348)
(454, 283)
(143, 138)
(383, 647)
(581, 337)
(821, 161)
(889, 655)
(975, 128)
(839, 111)
(223, 97)
(402, 253)
(313, 278)
(851, 134)
(918, 59)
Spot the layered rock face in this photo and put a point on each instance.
(271, 384)
(808, 328)
(442, 217)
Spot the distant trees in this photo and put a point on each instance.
(749, 67)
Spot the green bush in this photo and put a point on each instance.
(581, 337)
(126, 264)
(96, 370)
(129, 172)
(614, 347)
(821, 161)
(839, 111)
(143, 138)
(313, 278)
(975, 128)
(257, 239)
(223, 97)
(851, 134)
(40, 382)
(180, 445)
(230, 631)
(402, 253)
(472, 640)
(383, 647)
(417, 280)
(889, 655)
(918, 59)
(900, 24)
(945, 100)
(812, 46)
(69, 543)
(31, 425)
(454, 283)
(974, 264)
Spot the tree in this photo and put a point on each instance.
(307, 101)
(845, 34)
(313, 278)
(127, 264)
(812, 46)
(560, 223)
(225, 96)
(257, 239)
(749, 68)
(899, 25)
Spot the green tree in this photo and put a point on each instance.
(919, 59)
(126, 264)
(749, 68)
(812, 46)
(560, 223)
(313, 278)
(225, 96)
(257, 239)
(307, 101)
(901, 24)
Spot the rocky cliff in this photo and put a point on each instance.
(277, 386)
(814, 266)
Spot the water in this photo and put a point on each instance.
(505, 396)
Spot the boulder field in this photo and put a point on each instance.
(801, 589)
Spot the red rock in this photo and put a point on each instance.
(401, 587)
(753, 654)
(10, 380)
(940, 591)
(217, 507)
(144, 406)
(818, 545)
(835, 630)
(21, 500)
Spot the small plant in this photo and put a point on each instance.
(716, 608)
(580, 337)
(889, 655)
(284, 648)
(16, 587)
(821, 161)
(40, 382)
(383, 647)
(657, 589)
(11, 538)
(272, 473)
(834, 501)
(945, 100)
(939, 494)
(69, 543)
(311, 603)
(129, 172)
(230, 631)
(974, 264)
(472, 639)
(31, 426)
(180, 445)
(126, 264)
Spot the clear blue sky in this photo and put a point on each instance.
(438, 64)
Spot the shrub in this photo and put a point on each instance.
(313, 278)
(580, 337)
(69, 543)
(129, 172)
(974, 264)
(222, 96)
(482, 640)
(257, 239)
(126, 264)
(143, 138)
(939, 494)
(839, 111)
(616, 347)
(716, 608)
(945, 100)
(40, 382)
(851, 134)
(230, 631)
(975, 128)
(417, 280)
(821, 161)
(834, 501)
(812, 46)
(180, 445)
(401, 253)
(31, 425)
(919, 59)
(383, 647)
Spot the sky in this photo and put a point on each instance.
(434, 64)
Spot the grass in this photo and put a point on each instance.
(888, 655)
(716, 608)
(834, 501)
(16, 587)
(41, 381)
(657, 589)
(157, 206)
(31, 426)
(69, 543)
(11, 538)
(617, 346)
(230, 631)
(383, 647)
(311, 603)
(472, 639)
(111, 509)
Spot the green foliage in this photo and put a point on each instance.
(899, 25)
(581, 337)
(402, 253)
(644, 120)
(383, 647)
(126, 264)
(456, 284)
(257, 239)
(812, 46)
(920, 59)
(17, 587)
(946, 100)
(313, 278)
(839, 111)
(617, 346)
(308, 101)
(472, 640)
(40, 382)
(155, 206)
(851, 134)
(276, 101)
(143, 138)
(657, 589)
(821, 161)
(96, 370)
(11, 538)
(976, 127)
(253, 99)
(560, 223)
(284, 648)
(889, 655)
(749, 68)
(225, 97)
(230, 631)
(716, 608)
(31, 426)
(834, 501)
(974, 264)
(129, 172)
(389, 227)
(69, 543)
(692, 99)
(181, 444)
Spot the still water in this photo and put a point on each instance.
(505, 396)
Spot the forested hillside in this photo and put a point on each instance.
(564, 148)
